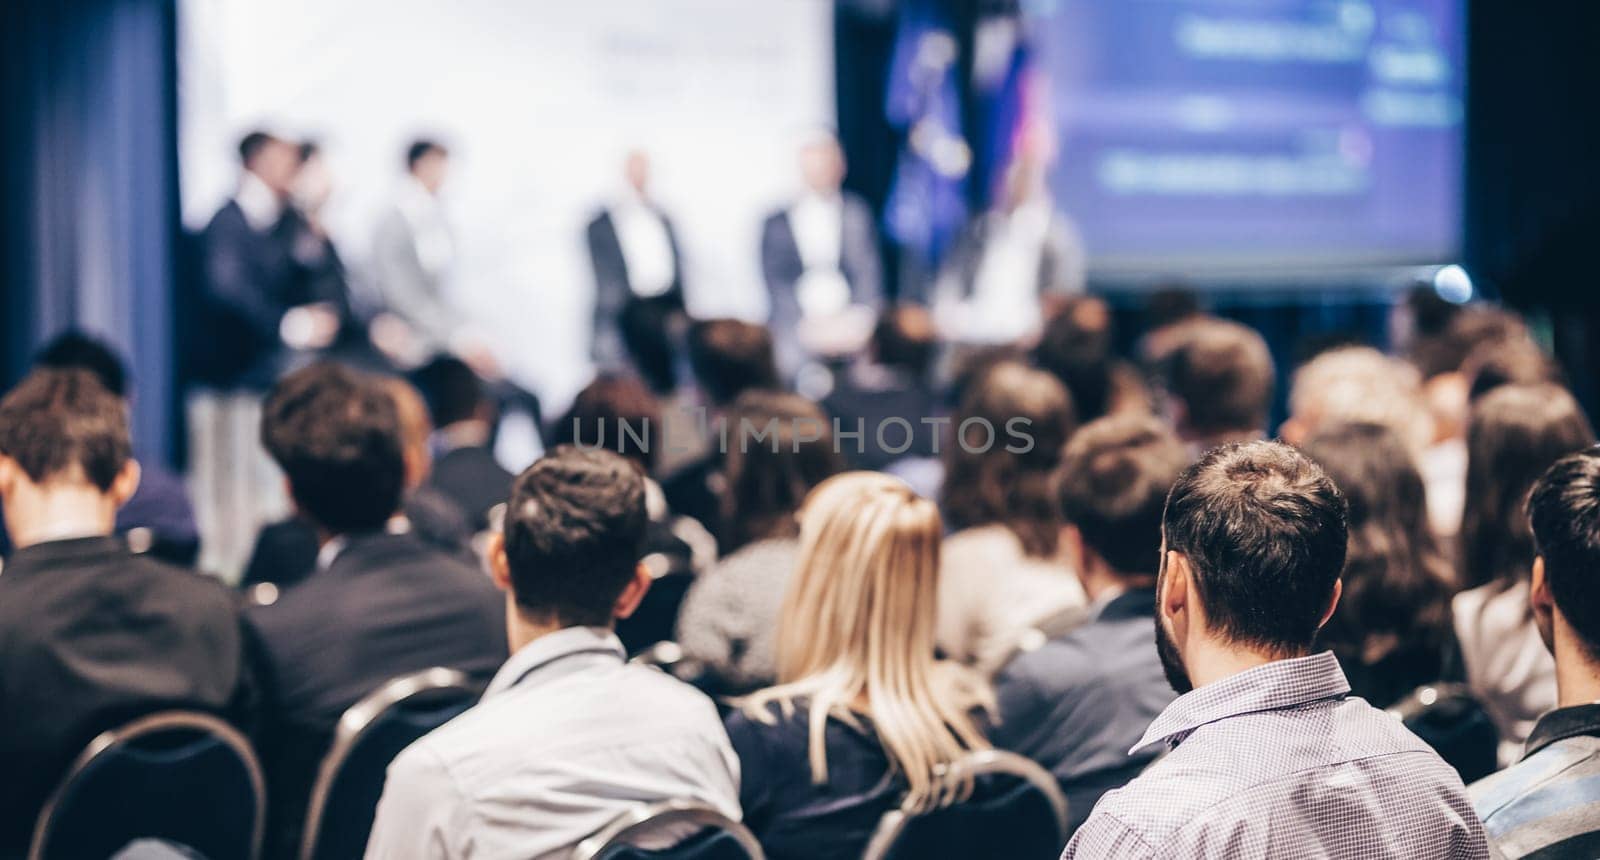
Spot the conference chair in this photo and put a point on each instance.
(1455, 724)
(1016, 810)
(370, 734)
(178, 777)
(714, 836)
(663, 655)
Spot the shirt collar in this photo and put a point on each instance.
(1129, 603)
(260, 204)
(50, 552)
(1563, 723)
(551, 647)
(1275, 686)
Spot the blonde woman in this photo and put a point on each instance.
(863, 716)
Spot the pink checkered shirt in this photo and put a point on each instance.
(1279, 761)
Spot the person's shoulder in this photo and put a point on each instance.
(227, 217)
(1565, 770)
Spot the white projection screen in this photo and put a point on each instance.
(539, 100)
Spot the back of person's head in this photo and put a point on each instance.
(1514, 434)
(1397, 583)
(905, 339)
(62, 427)
(422, 148)
(573, 531)
(1170, 305)
(730, 357)
(1008, 433)
(779, 446)
(1565, 513)
(416, 428)
(254, 143)
(1262, 530)
(74, 349)
(335, 432)
(1112, 484)
(1076, 347)
(453, 390)
(616, 413)
(856, 634)
(1514, 361)
(1222, 375)
(1358, 384)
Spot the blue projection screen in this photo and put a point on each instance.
(1229, 135)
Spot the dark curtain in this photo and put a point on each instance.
(89, 206)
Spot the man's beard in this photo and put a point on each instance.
(1171, 661)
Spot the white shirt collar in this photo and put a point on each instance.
(261, 205)
(551, 647)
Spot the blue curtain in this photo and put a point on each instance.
(89, 208)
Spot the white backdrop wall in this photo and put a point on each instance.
(539, 100)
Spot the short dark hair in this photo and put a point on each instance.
(598, 412)
(1263, 529)
(422, 148)
(453, 390)
(1223, 373)
(336, 434)
(730, 357)
(1076, 347)
(574, 529)
(905, 338)
(251, 145)
(768, 477)
(74, 349)
(1565, 512)
(58, 421)
(1113, 482)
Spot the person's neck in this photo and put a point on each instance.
(1218, 661)
(36, 515)
(1100, 581)
(1577, 671)
(522, 629)
(468, 433)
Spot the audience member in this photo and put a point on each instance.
(885, 397)
(1515, 433)
(1076, 347)
(779, 446)
(379, 605)
(91, 635)
(1079, 700)
(638, 277)
(864, 719)
(1391, 630)
(1219, 379)
(568, 735)
(1269, 754)
(1545, 805)
(1003, 570)
(466, 470)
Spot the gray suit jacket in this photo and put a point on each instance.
(408, 289)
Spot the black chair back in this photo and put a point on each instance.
(349, 783)
(712, 835)
(1016, 810)
(1455, 724)
(177, 776)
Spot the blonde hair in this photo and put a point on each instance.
(856, 636)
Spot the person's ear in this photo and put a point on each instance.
(9, 471)
(632, 593)
(1333, 603)
(499, 565)
(1173, 601)
(1542, 603)
(126, 483)
(1072, 547)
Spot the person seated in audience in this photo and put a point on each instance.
(1269, 755)
(568, 735)
(1545, 804)
(1076, 346)
(1219, 381)
(864, 719)
(1077, 700)
(728, 358)
(91, 634)
(1514, 434)
(378, 605)
(885, 396)
(159, 518)
(286, 551)
(1391, 630)
(463, 413)
(1003, 569)
(729, 618)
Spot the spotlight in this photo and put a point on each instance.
(1453, 284)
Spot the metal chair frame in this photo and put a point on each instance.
(972, 766)
(641, 820)
(148, 725)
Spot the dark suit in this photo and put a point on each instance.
(161, 505)
(388, 605)
(782, 266)
(871, 397)
(627, 326)
(250, 279)
(92, 636)
(286, 551)
(472, 477)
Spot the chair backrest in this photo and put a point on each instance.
(1452, 720)
(370, 734)
(710, 835)
(182, 777)
(663, 655)
(1016, 810)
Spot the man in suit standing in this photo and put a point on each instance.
(638, 277)
(379, 605)
(819, 257)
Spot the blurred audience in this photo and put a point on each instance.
(1076, 346)
(884, 397)
(864, 719)
(465, 469)
(1219, 381)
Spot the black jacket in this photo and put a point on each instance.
(472, 478)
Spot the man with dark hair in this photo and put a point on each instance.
(891, 383)
(568, 735)
(1548, 804)
(91, 635)
(1220, 377)
(380, 604)
(1085, 684)
(1269, 755)
(466, 470)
